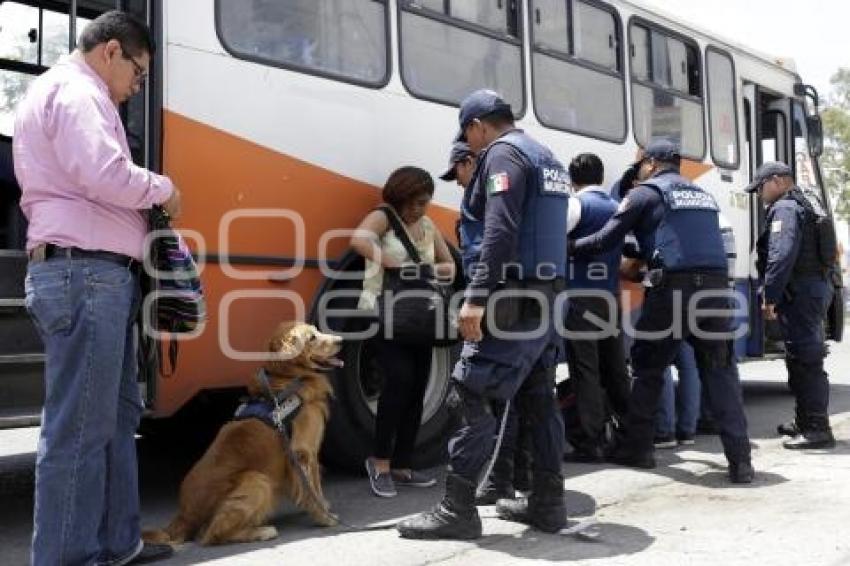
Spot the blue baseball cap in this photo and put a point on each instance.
(662, 149)
(479, 104)
(765, 172)
(460, 151)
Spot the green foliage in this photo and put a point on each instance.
(836, 155)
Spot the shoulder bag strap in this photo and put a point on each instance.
(401, 233)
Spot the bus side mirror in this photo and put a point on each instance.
(815, 131)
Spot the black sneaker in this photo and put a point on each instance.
(811, 440)
(381, 483)
(664, 441)
(686, 438)
(788, 429)
(632, 459)
(413, 478)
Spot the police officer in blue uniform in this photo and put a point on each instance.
(522, 197)
(595, 351)
(511, 467)
(794, 267)
(677, 227)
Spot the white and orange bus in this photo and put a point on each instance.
(281, 119)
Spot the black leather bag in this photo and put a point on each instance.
(414, 307)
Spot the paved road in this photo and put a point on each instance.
(683, 513)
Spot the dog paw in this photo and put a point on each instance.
(156, 536)
(266, 533)
(328, 519)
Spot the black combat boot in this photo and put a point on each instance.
(544, 509)
(454, 518)
(741, 472)
(793, 427)
(815, 434)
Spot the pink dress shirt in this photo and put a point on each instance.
(80, 186)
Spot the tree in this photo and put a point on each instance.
(836, 155)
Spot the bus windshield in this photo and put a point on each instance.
(804, 164)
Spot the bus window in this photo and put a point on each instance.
(456, 47)
(722, 115)
(666, 92)
(31, 40)
(345, 39)
(492, 15)
(549, 23)
(577, 77)
(804, 167)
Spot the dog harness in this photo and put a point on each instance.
(275, 410)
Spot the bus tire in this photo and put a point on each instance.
(349, 438)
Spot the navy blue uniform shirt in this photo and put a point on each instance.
(502, 212)
(779, 246)
(640, 211)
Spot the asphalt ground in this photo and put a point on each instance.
(684, 512)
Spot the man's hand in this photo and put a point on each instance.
(469, 322)
(769, 311)
(174, 205)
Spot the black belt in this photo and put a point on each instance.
(696, 278)
(52, 251)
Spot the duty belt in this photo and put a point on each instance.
(711, 279)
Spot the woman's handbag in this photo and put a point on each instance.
(414, 308)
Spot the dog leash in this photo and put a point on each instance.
(279, 417)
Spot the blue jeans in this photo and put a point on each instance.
(86, 484)
(679, 409)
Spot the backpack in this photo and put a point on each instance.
(827, 244)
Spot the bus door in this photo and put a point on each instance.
(768, 138)
(34, 35)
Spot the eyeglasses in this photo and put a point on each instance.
(139, 73)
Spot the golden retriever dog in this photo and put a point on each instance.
(229, 494)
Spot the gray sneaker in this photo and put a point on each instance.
(413, 479)
(382, 483)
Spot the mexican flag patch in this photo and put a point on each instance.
(497, 183)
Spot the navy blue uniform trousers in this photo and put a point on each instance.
(663, 324)
(801, 315)
(519, 368)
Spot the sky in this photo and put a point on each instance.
(815, 33)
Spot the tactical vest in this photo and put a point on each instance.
(688, 236)
(542, 249)
(600, 271)
(809, 261)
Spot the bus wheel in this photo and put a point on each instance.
(350, 434)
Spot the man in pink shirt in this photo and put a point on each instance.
(85, 201)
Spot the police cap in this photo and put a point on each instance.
(765, 172)
(662, 149)
(479, 104)
(460, 151)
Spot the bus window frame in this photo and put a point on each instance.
(653, 26)
(518, 41)
(719, 162)
(265, 61)
(572, 59)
